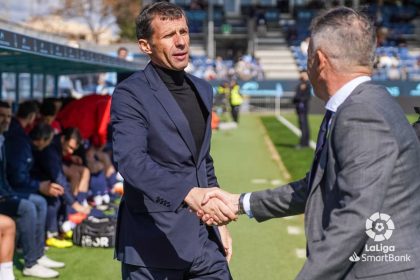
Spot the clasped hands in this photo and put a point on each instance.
(213, 205)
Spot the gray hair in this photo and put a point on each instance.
(346, 36)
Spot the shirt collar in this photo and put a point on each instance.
(341, 95)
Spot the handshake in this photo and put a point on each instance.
(213, 205)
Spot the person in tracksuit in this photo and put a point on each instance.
(48, 165)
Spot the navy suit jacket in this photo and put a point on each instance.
(155, 152)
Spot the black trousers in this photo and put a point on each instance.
(234, 110)
(304, 127)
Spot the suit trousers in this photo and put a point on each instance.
(210, 263)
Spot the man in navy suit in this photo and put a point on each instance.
(161, 137)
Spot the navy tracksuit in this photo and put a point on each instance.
(48, 166)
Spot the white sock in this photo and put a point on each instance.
(6, 271)
(52, 234)
(67, 225)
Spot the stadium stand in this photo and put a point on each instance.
(392, 63)
(394, 60)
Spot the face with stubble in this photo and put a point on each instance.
(169, 44)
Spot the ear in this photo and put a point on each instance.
(144, 46)
(322, 61)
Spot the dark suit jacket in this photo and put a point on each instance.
(155, 152)
(370, 164)
(20, 159)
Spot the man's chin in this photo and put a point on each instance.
(180, 67)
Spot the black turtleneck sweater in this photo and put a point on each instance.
(189, 101)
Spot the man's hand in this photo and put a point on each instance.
(216, 194)
(216, 209)
(80, 208)
(51, 189)
(226, 241)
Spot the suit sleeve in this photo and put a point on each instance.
(130, 144)
(211, 177)
(287, 200)
(366, 152)
(18, 156)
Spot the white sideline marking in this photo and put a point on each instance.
(259, 181)
(289, 218)
(276, 182)
(294, 129)
(292, 230)
(301, 253)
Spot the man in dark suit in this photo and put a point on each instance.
(361, 197)
(161, 137)
(301, 101)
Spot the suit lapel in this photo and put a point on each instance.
(171, 107)
(324, 156)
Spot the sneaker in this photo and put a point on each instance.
(67, 226)
(68, 234)
(106, 199)
(49, 263)
(58, 243)
(39, 271)
(98, 200)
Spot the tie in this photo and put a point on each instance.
(322, 136)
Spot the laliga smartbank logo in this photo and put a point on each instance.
(379, 227)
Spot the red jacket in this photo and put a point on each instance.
(91, 115)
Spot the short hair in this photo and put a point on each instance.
(48, 108)
(26, 108)
(72, 133)
(41, 131)
(165, 10)
(346, 36)
(122, 49)
(4, 104)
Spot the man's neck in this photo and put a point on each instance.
(169, 76)
(339, 80)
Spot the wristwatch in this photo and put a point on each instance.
(241, 210)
